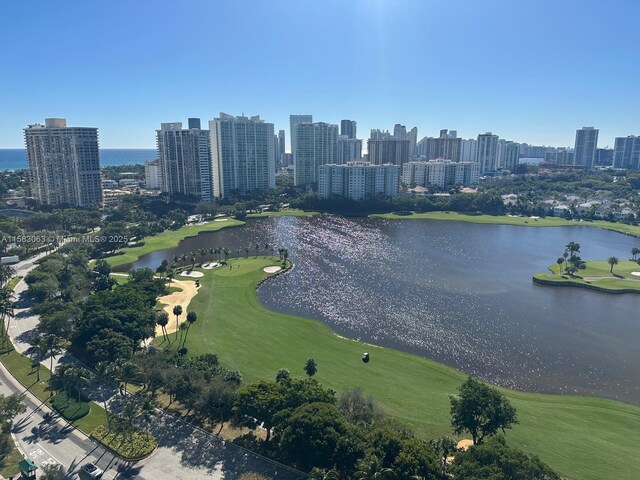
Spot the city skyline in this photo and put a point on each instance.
(527, 87)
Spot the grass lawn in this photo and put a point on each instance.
(521, 221)
(9, 466)
(11, 284)
(621, 279)
(167, 239)
(20, 367)
(581, 437)
(292, 212)
(69, 406)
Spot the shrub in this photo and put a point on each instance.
(130, 447)
(69, 407)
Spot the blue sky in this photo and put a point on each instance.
(529, 71)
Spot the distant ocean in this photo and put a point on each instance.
(16, 158)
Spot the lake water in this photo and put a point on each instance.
(458, 293)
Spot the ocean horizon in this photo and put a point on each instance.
(16, 158)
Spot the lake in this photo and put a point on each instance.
(458, 293)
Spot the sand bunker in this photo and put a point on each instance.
(221, 219)
(192, 274)
(272, 269)
(637, 274)
(182, 297)
(464, 444)
(209, 266)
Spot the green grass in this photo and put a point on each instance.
(9, 465)
(292, 212)
(167, 239)
(69, 407)
(621, 279)
(142, 446)
(20, 367)
(582, 437)
(13, 282)
(520, 221)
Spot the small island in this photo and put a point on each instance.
(611, 276)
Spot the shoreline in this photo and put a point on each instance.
(409, 387)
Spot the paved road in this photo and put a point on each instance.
(184, 452)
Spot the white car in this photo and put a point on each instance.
(92, 470)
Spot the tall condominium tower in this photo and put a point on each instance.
(400, 132)
(626, 152)
(510, 155)
(585, 147)
(447, 146)
(487, 153)
(387, 149)
(349, 149)
(316, 144)
(413, 141)
(64, 164)
(294, 121)
(348, 128)
(281, 148)
(184, 159)
(242, 154)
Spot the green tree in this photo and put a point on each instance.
(496, 461)
(480, 410)
(612, 261)
(634, 252)
(560, 261)
(310, 367)
(162, 319)
(310, 436)
(104, 375)
(357, 407)
(372, 469)
(283, 375)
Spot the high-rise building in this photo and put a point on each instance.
(604, 157)
(152, 174)
(184, 159)
(400, 132)
(316, 144)
(358, 180)
(468, 150)
(281, 148)
(242, 154)
(385, 149)
(64, 164)
(487, 153)
(294, 121)
(349, 149)
(626, 152)
(348, 128)
(559, 156)
(377, 134)
(413, 141)
(510, 155)
(585, 147)
(440, 172)
(447, 146)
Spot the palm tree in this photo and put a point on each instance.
(191, 319)
(162, 320)
(266, 249)
(193, 260)
(323, 474)
(177, 311)
(6, 309)
(170, 276)
(285, 256)
(612, 261)
(372, 470)
(635, 251)
(212, 252)
(126, 372)
(203, 253)
(560, 261)
(104, 374)
(176, 259)
(80, 377)
(52, 346)
(246, 249)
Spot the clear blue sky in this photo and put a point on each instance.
(528, 70)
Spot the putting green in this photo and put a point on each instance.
(581, 437)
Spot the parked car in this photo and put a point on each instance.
(92, 470)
